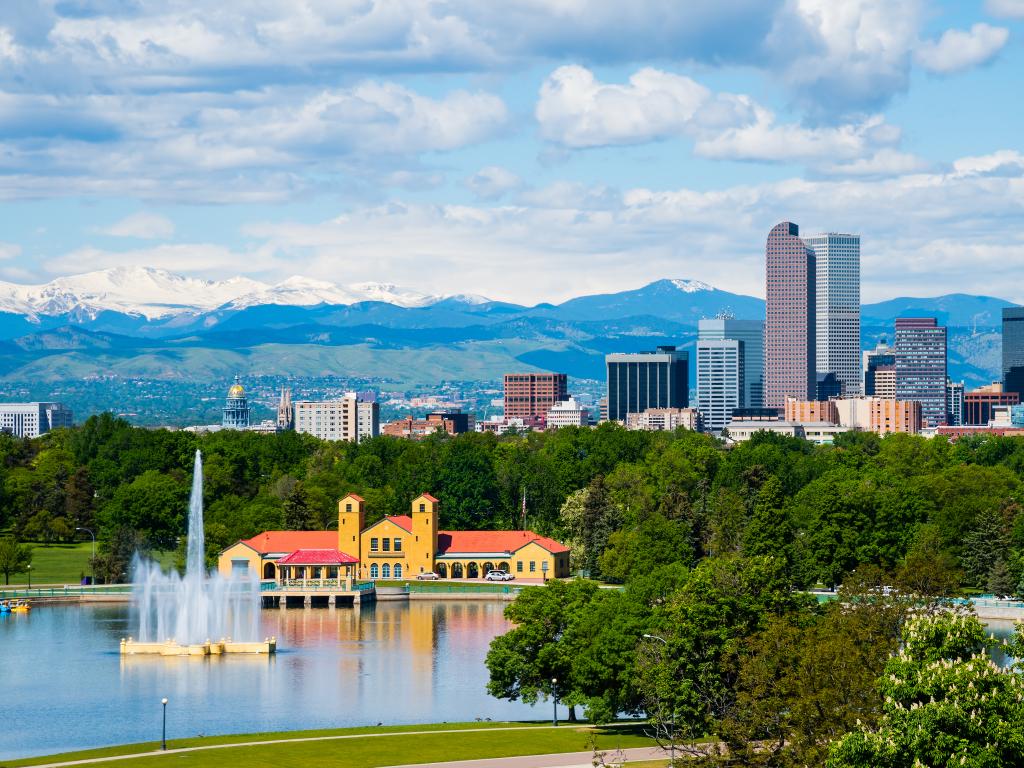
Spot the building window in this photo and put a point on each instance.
(387, 545)
(533, 566)
(519, 567)
(348, 507)
(385, 571)
(374, 545)
(239, 566)
(374, 572)
(398, 570)
(398, 545)
(423, 507)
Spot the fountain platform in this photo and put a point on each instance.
(132, 647)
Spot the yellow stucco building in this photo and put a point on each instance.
(397, 547)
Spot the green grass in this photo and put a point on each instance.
(66, 563)
(369, 751)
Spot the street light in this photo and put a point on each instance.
(93, 561)
(672, 725)
(29, 569)
(163, 738)
(554, 702)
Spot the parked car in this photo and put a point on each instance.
(498, 576)
(428, 576)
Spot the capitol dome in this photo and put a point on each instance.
(236, 391)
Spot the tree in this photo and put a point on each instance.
(929, 570)
(1000, 580)
(945, 702)
(14, 558)
(298, 512)
(112, 564)
(984, 546)
(601, 518)
(154, 504)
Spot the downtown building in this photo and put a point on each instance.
(790, 334)
(33, 419)
(349, 418)
(837, 305)
(879, 369)
(637, 381)
(720, 381)
(1013, 350)
(921, 366)
(529, 396)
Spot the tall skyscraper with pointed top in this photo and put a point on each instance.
(790, 344)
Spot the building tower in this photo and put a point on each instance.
(837, 302)
(425, 511)
(529, 396)
(285, 410)
(921, 366)
(790, 346)
(641, 380)
(879, 367)
(351, 521)
(720, 384)
(236, 408)
(1013, 350)
(751, 333)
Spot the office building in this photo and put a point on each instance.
(790, 345)
(641, 380)
(529, 396)
(567, 413)
(827, 386)
(348, 418)
(664, 420)
(451, 422)
(33, 419)
(955, 402)
(1013, 350)
(751, 333)
(811, 411)
(720, 382)
(879, 371)
(235, 414)
(837, 301)
(921, 366)
(980, 403)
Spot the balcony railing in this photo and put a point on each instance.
(386, 555)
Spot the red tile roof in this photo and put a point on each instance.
(317, 557)
(402, 521)
(428, 497)
(355, 496)
(452, 542)
(289, 541)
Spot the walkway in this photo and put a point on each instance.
(538, 761)
(560, 760)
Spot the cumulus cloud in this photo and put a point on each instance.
(1006, 162)
(143, 226)
(1010, 9)
(493, 182)
(958, 50)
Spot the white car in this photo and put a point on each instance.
(428, 576)
(498, 576)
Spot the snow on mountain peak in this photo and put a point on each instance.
(691, 286)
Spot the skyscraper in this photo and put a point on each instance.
(837, 299)
(720, 385)
(641, 380)
(529, 396)
(879, 363)
(751, 333)
(790, 329)
(1013, 350)
(921, 366)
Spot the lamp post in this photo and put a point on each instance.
(554, 702)
(672, 724)
(163, 737)
(93, 561)
(28, 568)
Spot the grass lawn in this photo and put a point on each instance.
(65, 563)
(364, 750)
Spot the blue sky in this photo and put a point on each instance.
(530, 150)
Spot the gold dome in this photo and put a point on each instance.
(236, 391)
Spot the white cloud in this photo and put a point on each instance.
(1006, 162)
(1012, 9)
(493, 182)
(9, 251)
(885, 162)
(958, 50)
(142, 225)
(189, 258)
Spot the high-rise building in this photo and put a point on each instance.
(790, 346)
(641, 380)
(881, 358)
(921, 366)
(529, 396)
(837, 300)
(751, 333)
(1013, 350)
(33, 419)
(827, 386)
(955, 402)
(235, 414)
(348, 418)
(720, 382)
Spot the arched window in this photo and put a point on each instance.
(504, 567)
(385, 571)
(398, 570)
(456, 570)
(442, 570)
(472, 571)
(374, 573)
(488, 567)
(268, 570)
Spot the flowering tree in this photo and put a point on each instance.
(946, 702)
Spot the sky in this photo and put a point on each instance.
(527, 150)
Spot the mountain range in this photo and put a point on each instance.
(147, 323)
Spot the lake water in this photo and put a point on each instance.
(66, 687)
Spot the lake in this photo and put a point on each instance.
(66, 687)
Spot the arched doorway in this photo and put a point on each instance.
(504, 567)
(456, 570)
(472, 571)
(442, 570)
(488, 567)
(268, 571)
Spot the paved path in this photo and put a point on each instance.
(560, 760)
(341, 737)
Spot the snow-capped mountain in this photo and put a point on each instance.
(156, 293)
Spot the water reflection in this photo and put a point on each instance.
(66, 687)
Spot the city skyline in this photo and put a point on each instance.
(543, 150)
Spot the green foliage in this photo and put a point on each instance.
(14, 557)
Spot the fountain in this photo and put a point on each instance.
(177, 615)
